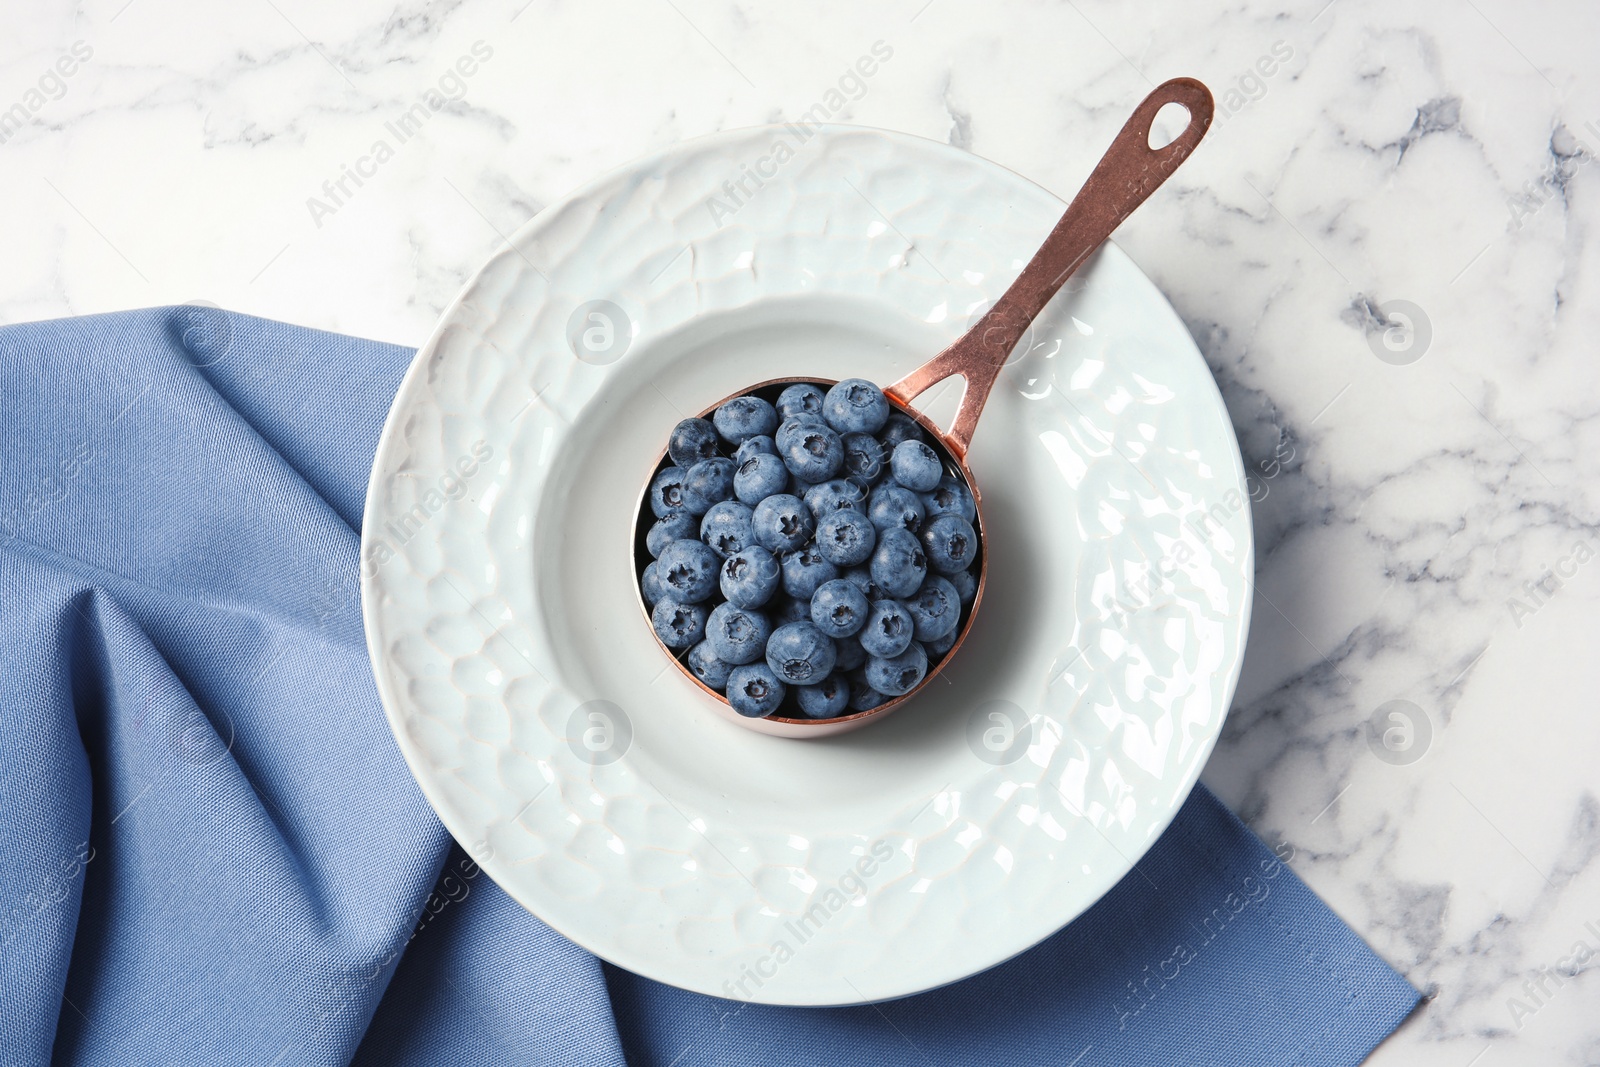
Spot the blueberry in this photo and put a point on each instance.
(826, 699)
(896, 676)
(898, 564)
(785, 609)
(834, 494)
(900, 427)
(793, 425)
(800, 654)
(675, 527)
(688, 571)
(892, 506)
(782, 523)
(888, 629)
(812, 453)
(862, 696)
(936, 609)
(755, 446)
(799, 487)
(838, 608)
(848, 653)
(759, 477)
(855, 405)
(915, 466)
(737, 635)
(704, 665)
(678, 625)
(846, 538)
(708, 482)
(803, 571)
(864, 458)
(650, 584)
(692, 441)
(666, 492)
(750, 576)
(745, 417)
(966, 584)
(861, 578)
(943, 644)
(950, 497)
(727, 527)
(754, 690)
(950, 542)
(800, 398)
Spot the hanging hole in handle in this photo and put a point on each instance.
(1168, 124)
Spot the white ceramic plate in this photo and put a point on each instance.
(584, 771)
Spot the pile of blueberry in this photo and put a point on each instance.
(820, 569)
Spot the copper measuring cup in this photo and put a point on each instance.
(1125, 177)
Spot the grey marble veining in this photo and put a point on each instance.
(1383, 249)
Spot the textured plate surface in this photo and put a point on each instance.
(584, 772)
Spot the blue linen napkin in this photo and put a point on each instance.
(211, 851)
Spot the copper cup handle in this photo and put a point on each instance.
(1127, 174)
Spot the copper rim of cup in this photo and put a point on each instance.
(641, 558)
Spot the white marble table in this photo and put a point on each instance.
(1426, 498)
